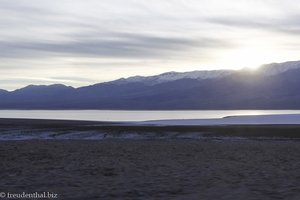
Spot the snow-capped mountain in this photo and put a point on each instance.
(264, 70)
(273, 86)
(173, 76)
(277, 68)
(3, 91)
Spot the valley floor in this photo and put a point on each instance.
(152, 169)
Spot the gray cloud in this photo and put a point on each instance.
(287, 25)
(120, 45)
(83, 41)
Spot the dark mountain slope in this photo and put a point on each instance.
(237, 90)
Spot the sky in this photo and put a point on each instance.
(82, 42)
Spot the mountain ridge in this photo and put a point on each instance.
(234, 89)
(266, 69)
(172, 76)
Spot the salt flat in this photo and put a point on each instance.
(231, 120)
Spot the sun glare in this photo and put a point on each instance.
(250, 59)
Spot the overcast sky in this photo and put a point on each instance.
(81, 42)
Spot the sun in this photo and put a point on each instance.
(249, 58)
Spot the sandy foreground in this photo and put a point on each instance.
(99, 160)
(153, 169)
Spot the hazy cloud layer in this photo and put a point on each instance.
(95, 41)
(115, 45)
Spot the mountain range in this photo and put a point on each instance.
(272, 86)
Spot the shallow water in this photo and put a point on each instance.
(124, 115)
